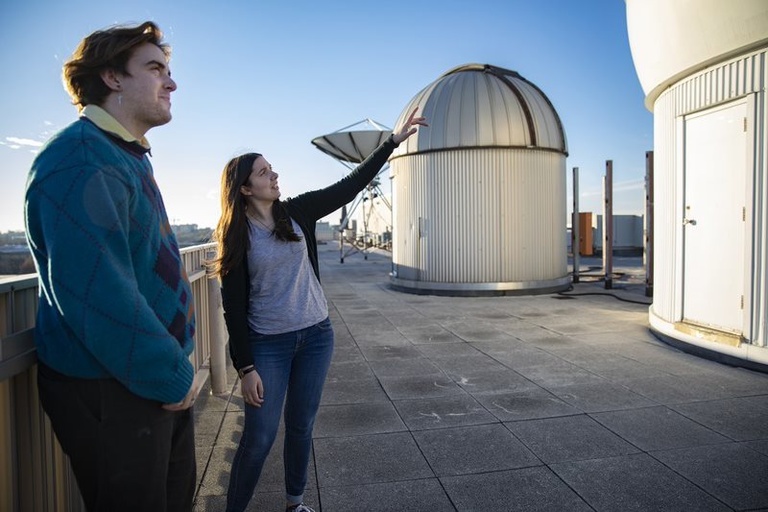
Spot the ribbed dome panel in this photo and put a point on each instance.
(479, 105)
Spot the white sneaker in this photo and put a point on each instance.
(299, 508)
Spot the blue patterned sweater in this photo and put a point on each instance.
(115, 300)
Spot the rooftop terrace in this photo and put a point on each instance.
(550, 402)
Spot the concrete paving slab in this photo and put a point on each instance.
(759, 446)
(432, 336)
(741, 419)
(622, 370)
(731, 472)
(471, 331)
(601, 395)
(357, 419)
(231, 429)
(352, 391)
(443, 412)
(674, 389)
(216, 478)
(617, 339)
(419, 386)
(389, 368)
(473, 449)
(634, 483)
(347, 354)
(439, 351)
(377, 353)
(415, 495)
(518, 357)
(530, 333)
(553, 343)
(526, 405)
(374, 338)
(569, 438)
(559, 374)
(457, 367)
(492, 382)
(534, 489)
(658, 428)
(261, 501)
(369, 459)
(350, 370)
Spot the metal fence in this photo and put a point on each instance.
(34, 473)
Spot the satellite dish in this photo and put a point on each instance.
(350, 146)
(353, 145)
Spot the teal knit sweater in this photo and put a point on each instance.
(115, 300)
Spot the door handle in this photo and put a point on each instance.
(692, 222)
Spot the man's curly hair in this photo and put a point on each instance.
(105, 49)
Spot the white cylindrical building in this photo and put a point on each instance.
(479, 196)
(703, 69)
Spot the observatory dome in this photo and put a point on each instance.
(484, 106)
(479, 194)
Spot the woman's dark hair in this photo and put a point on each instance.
(231, 232)
(105, 49)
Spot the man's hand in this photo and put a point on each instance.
(189, 400)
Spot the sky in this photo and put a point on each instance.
(269, 76)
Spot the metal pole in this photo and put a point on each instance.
(342, 227)
(648, 253)
(608, 224)
(216, 336)
(575, 235)
(366, 197)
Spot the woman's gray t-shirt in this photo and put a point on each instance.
(285, 293)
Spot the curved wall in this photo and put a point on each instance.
(480, 221)
(671, 39)
(738, 81)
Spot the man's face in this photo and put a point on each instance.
(146, 88)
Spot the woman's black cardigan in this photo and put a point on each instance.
(306, 209)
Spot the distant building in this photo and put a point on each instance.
(184, 228)
(704, 69)
(628, 235)
(323, 232)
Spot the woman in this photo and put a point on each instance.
(280, 337)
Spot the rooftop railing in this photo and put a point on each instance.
(35, 475)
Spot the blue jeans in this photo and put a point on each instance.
(292, 367)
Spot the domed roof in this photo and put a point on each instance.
(481, 106)
(671, 39)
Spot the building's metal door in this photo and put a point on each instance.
(714, 217)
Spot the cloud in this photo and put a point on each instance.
(17, 142)
(629, 185)
(624, 186)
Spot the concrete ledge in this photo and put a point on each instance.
(480, 289)
(743, 355)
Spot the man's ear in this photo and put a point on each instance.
(111, 79)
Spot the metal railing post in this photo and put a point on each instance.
(575, 234)
(608, 224)
(648, 254)
(216, 335)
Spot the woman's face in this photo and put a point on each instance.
(262, 182)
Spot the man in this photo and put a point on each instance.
(115, 323)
